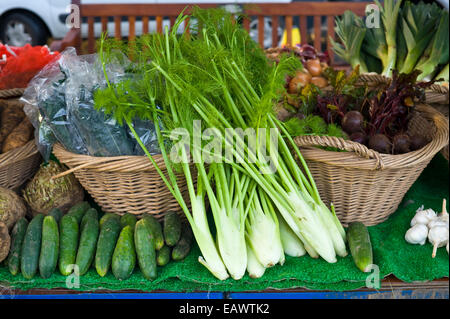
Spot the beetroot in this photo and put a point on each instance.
(401, 143)
(352, 122)
(380, 143)
(417, 142)
(359, 137)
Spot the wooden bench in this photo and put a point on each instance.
(278, 13)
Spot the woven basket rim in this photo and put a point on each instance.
(18, 154)
(359, 156)
(123, 164)
(8, 93)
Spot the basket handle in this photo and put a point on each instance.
(338, 142)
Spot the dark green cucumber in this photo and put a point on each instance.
(56, 213)
(163, 256)
(31, 247)
(145, 249)
(183, 247)
(78, 210)
(17, 236)
(156, 229)
(90, 213)
(128, 220)
(68, 244)
(106, 217)
(360, 246)
(124, 256)
(172, 228)
(109, 232)
(48, 258)
(87, 246)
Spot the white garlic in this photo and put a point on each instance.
(438, 237)
(423, 216)
(417, 234)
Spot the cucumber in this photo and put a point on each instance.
(56, 213)
(87, 246)
(124, 256)
(17, 236)
(78, 210)
(172, 228)
(360, 246)
(48, 258)
(31, 247)
(109, 232)
(106, 217)
(183, 247)
(90, 213)
(128, 220)
(145, 249)
(163, 256)
(68, 243)
(156, 229)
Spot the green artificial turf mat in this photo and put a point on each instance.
(392, 255)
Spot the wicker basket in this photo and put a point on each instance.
(363, 184)
(20, 164)
(124, 184)
(438, 97)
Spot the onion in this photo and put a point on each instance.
(314, 67)
(319, 81)
(300, 80)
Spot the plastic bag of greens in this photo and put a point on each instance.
(45, 106)
(147, 134)
(102, 134)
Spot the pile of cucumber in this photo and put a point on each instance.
(78, 240)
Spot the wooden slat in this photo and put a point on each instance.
(289, 31)
(261, 31)
(331, 34)
(145, 24)
(159, 25)
(117, 27)
(274, 31)
(317, 32)
(186, 27)
(104, 21)
(304, 29)
(293, 8)
(91, 35)
(131, 28)
(246, 23)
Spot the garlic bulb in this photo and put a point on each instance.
(417, 234)
(423, 216)
(438, 237)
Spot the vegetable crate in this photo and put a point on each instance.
(19, 164)
(124, 184)
(363, 184)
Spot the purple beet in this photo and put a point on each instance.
(402, 143)
(359, 137)
(352, 122)
(417, 142)
(380, 143)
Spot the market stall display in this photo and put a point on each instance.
(293, 200)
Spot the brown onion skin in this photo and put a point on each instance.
(314, 67)
(319, 81)
(300, 80)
